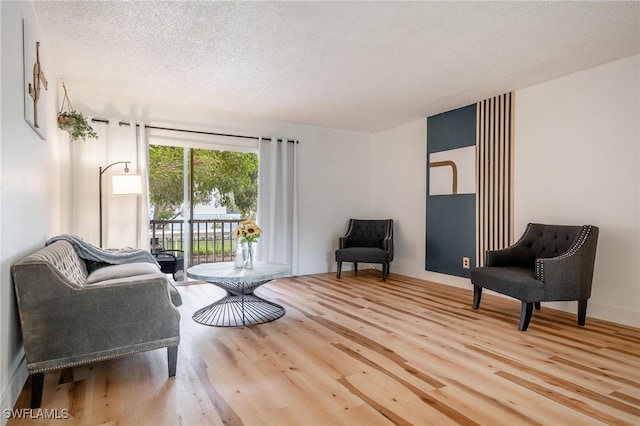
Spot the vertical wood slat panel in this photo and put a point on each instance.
(479, 177)
(492, 161)
(494, 174)
(499, 182)
(511, 167)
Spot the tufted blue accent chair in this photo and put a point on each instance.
(548, 263)
(369, 241)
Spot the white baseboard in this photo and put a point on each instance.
(14, 386)
(612, 313)
(616, 314)
(595, 309)
(323, 268)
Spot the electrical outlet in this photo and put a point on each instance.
(465, 262)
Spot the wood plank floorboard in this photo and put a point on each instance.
(360, 351)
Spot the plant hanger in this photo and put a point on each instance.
(73, 122)
(65, 101)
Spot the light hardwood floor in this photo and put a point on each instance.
(363, 352)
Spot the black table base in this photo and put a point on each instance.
(239, 307)
(238, 310)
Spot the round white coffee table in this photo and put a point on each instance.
(240, 307)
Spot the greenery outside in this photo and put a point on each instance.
(208, 247)
(228, 178)
(231, 178)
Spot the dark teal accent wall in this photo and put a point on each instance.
(451, 223)
(452, 129)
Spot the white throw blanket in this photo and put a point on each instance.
(88, 251)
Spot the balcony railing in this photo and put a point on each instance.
(212, 240)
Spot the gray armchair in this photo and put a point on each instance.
(369, 241)
(548, 263)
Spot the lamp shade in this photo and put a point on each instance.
(127, 184)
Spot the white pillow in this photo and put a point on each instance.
(121, 271)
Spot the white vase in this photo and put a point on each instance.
(248, 257)
(239, 260)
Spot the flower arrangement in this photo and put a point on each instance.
(248, 231)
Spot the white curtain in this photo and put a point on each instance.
(278, 202)
(124, 217)
(142, 218)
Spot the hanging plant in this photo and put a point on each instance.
(74, 122)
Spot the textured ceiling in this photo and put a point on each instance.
(362, 66)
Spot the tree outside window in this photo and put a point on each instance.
(226, 177)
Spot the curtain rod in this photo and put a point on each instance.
(124, 123)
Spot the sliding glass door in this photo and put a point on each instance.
(197, 198)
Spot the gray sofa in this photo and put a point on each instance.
(71, 317)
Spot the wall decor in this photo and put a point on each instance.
(451, 198)
(469, 184)
(35, 82)
(453, 171)
(494, 202)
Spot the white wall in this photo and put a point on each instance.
(334, 166)
(577, 162)
(400, 156)
(577, 148)
(30, 186)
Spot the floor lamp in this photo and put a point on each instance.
(125, 184)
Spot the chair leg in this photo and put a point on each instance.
(172, 359)
(525, 315)
(355, 267)
(384, 272)
(339, 270)
(582, 312)
(37, 385)
(536, 305)
(477, 295)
